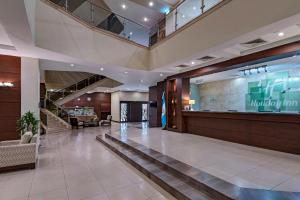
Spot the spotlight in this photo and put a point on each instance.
(124, 6)
(280, 34)
(151, 4)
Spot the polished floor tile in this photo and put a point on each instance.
(74, 166)
(239, 164)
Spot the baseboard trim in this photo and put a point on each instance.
(17, 167)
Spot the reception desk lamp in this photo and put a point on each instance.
(191, 102)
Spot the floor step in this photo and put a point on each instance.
(182, 180)
(177, 186)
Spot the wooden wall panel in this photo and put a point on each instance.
(10, 98)
(271, 131)
(99, 100)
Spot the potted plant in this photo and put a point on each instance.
(28, 122)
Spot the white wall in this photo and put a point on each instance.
(30, 85)
(116, 97)
(224, 95)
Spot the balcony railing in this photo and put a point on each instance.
(103, 18)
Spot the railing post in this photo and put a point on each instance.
(92, 14)
(176, 13)
(66, 5)
(202, 6)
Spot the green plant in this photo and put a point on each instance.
(28, 123)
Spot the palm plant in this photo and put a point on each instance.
(28, 123)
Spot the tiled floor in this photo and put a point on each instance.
(74, 166)
(241, 165)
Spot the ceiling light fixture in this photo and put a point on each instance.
(183, 16)
(151, 4)
(161, 74)
(280, 34)
(131, 33)
(192, 62)
(126, 72)
(101, 68)
(72, 65)
(142, 81)
(146, 19)
(194, 7)
(124, 6)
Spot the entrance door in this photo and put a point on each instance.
(133, 111)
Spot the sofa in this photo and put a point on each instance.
(14, 155)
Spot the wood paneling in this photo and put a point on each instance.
(267, 130)
(155, 95)
(251, 59)
(10, 98)
(99, 100)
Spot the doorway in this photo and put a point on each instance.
(133, 111)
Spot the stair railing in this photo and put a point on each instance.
(55, 95)
(59, 111)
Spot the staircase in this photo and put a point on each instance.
(54, 124)
(62, 96)
(112, 24)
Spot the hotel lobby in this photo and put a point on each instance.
(150, 100)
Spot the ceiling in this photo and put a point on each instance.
(15, 31)
(272, 66)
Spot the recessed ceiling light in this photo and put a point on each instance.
(281, 34)
(193, 63)
(183, 16)
(146, 19)
(126, 72)
(142, 81)
(130, 33)
(161, 74)
(194, 7)
(151, 3)
(101, 68)
(124, 6)
(72, 65)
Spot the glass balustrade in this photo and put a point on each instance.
(60, 94)
(103, 18)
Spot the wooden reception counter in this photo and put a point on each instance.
(276, 131)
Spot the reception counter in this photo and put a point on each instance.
(276, 131)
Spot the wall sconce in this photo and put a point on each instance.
(6, 84)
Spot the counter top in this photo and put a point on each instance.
(251, 113)
(251, 116)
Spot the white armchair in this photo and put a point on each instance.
(14, 155)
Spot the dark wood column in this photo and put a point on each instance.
(177, 98)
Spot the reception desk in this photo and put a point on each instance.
(276, 131)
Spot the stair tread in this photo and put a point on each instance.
(178, 184)
(199, 178)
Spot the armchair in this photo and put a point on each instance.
(14, 155)
(106, 121)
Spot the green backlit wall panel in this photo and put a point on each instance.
(276, 92)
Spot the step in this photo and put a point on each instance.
(176, 186)
(199, 179)
(193, 177)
